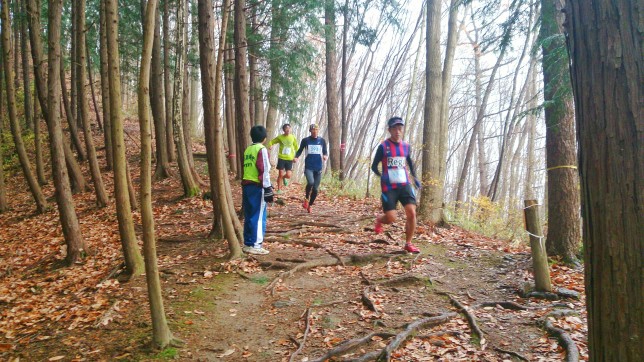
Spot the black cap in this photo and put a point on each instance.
(395, 121)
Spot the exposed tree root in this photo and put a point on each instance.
(274, 265)
(346, 346)
(385, 354)
(511, 353)
(572, 352)
(366, 300)
(291, 260)
(476, 331)
(307, 328)
(333, 254)
(303, 242)
(503, 304)
(351, 260)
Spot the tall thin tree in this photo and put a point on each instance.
(211, 71)
(83, 102)
(161, 335)
(64, 200)
(133, 258)
(331, 74)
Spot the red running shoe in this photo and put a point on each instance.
(305, 204)
(378, 227)
(309, 209)
(411, 248)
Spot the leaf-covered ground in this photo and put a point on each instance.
(328, 282)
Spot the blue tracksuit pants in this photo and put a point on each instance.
(254, 215)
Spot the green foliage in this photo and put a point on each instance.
(261, 280)
(168, 353)
(489, 218)
(354, 189)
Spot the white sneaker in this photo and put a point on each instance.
(256, 251)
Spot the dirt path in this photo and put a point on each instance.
(350, 283)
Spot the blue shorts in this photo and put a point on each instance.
(405, 194)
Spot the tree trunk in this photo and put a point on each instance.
(33, 11)
(229, 113)
(3, 190)
(71, 120)
(211, 71)
(528, 193)
(40, 164)
(157, 103)
(190, 186)
(105, 91)
(91, 88)
(564, 229)
(331, 74)
(99, 188)
(431, 202)
(272, 97)
(166, 82)
(242, 116)
(133, 259)
(64, 200)
(26, 83)
(34, 187)
(605, 44)
(161, 335)
(73, 67)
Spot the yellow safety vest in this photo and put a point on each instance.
(251, 173)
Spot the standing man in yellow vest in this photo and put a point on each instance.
(257, 191)
(288, 145)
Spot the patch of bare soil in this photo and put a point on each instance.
(331, 289)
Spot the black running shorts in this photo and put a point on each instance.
(284, 164)
(406, 195)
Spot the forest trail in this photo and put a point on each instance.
(328, 279)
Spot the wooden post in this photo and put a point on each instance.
(538, 247)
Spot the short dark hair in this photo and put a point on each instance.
(284, 126)
(258, 133)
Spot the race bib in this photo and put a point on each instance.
(397, 176)
(286, 151)
(396, 170)
(315, 149)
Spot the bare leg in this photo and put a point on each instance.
(387, 217)
(410, 223)
(279, 178)
(287, 176)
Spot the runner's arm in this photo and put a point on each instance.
(302, 147)
(376, 160)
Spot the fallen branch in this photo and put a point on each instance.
(346, 346)
(476, 331)
(306, 333)
(385, 354)
(572, 352)
(303, 242)
(511, 353)
(503, 304)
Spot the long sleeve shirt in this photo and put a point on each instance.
(315, 148)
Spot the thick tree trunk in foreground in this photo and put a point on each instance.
(133, 258)
(211, 70)
(99, 188)
(161, 335)
(605, 44)
(34, 187)
(68, 218)
(166, 82)
(564, 229)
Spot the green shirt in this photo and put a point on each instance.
(288, 146)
